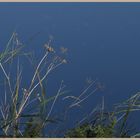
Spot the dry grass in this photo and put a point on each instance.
(17, 109)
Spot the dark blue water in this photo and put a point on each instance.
(103, 41)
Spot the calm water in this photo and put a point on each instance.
(103, 41)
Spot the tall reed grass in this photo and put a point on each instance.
(13, 108)
(25, 111)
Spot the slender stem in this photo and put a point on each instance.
(53, 103)
(36, 71)
(22, 106)
(7, 77)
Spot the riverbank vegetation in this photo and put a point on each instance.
(27, 111)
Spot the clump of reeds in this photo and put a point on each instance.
(24, 111)
(14, 121)
(108, 124)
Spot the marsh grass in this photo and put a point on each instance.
(27, 111)
(108, 124)
(15, 120)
